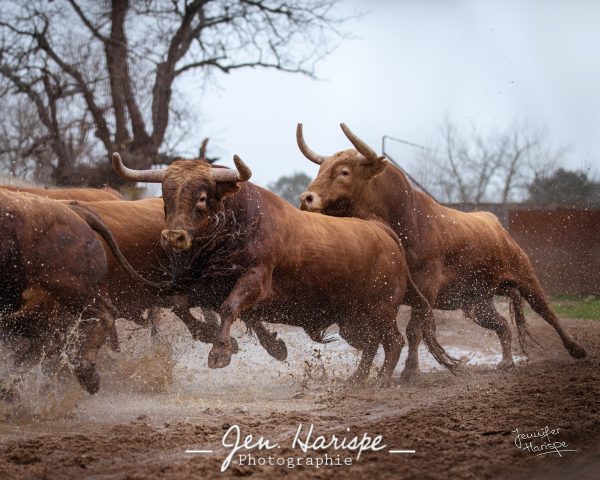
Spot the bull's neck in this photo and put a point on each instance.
(392, 199)
(246, 205)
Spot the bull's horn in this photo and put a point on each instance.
(149, 176)
(203, 150)
(307, 152)
(242, 174)
(361, 146)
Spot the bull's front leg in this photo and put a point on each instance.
(251, 288)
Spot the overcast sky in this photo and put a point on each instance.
(410, 64)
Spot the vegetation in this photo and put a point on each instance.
(566, 189)
(576, 307)
(86, 78)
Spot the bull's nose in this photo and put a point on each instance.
(307, 197)
(310, 201)
(176, 239)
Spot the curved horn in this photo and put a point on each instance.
(307, 152)
(361, 146)
(203, 150)
(150, 176)
(242, 174)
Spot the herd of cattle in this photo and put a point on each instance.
(363, 243)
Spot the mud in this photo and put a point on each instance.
(158, 399)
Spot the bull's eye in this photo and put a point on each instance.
(344, 173)
(201, 203)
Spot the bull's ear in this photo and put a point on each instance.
(378, 166)
(225, 189)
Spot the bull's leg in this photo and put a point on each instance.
(392, 342)
(251, 288)
(414, 334)
(533, 293)
(364, 366)
(95, 334)
(154, 319)
(113, 335)
(274, 346)
(37, 302)
(211, 318)
(484, 314)
(204, 332)
(420, 314)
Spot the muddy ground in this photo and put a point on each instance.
(158, 400)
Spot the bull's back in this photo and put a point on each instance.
(55, 247)
(344, 261)
(82, 194)
(136, 227)
(478, 254)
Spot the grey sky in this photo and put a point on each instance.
(410, 64)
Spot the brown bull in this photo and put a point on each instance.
(458, 260)
(136, 227)
(83, 194)
(289, 266)
(46, 250)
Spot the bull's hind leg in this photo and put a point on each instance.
(364, 366)
(534, 295)
(274, 346)
(95, 333)
(392, 341)
(484, 314)
(414, 334)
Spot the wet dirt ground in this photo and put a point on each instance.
(158, 399)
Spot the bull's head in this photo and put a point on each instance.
(193, 194)
(342, 177)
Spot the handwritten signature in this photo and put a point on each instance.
(541, 442)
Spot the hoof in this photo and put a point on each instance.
(577, 351)
(218, 357)
(357, 379)
(279, 350)
(409, 374)
(88, 377)
(506, 365)
(383, 382)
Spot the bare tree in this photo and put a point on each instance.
(112, 68)
(477, 167)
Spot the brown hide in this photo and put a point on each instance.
(299, 268)
(458, 260)
(136, 227)
(83, 194)
(46, 249)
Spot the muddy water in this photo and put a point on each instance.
(158, 399)
(166, 376)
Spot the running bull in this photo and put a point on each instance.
(286, 266)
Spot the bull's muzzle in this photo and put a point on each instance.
(310, 201)
(176, 239)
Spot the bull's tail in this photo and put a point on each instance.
(429, 329)
(428, 326)
(517, 316)
(96, 224)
